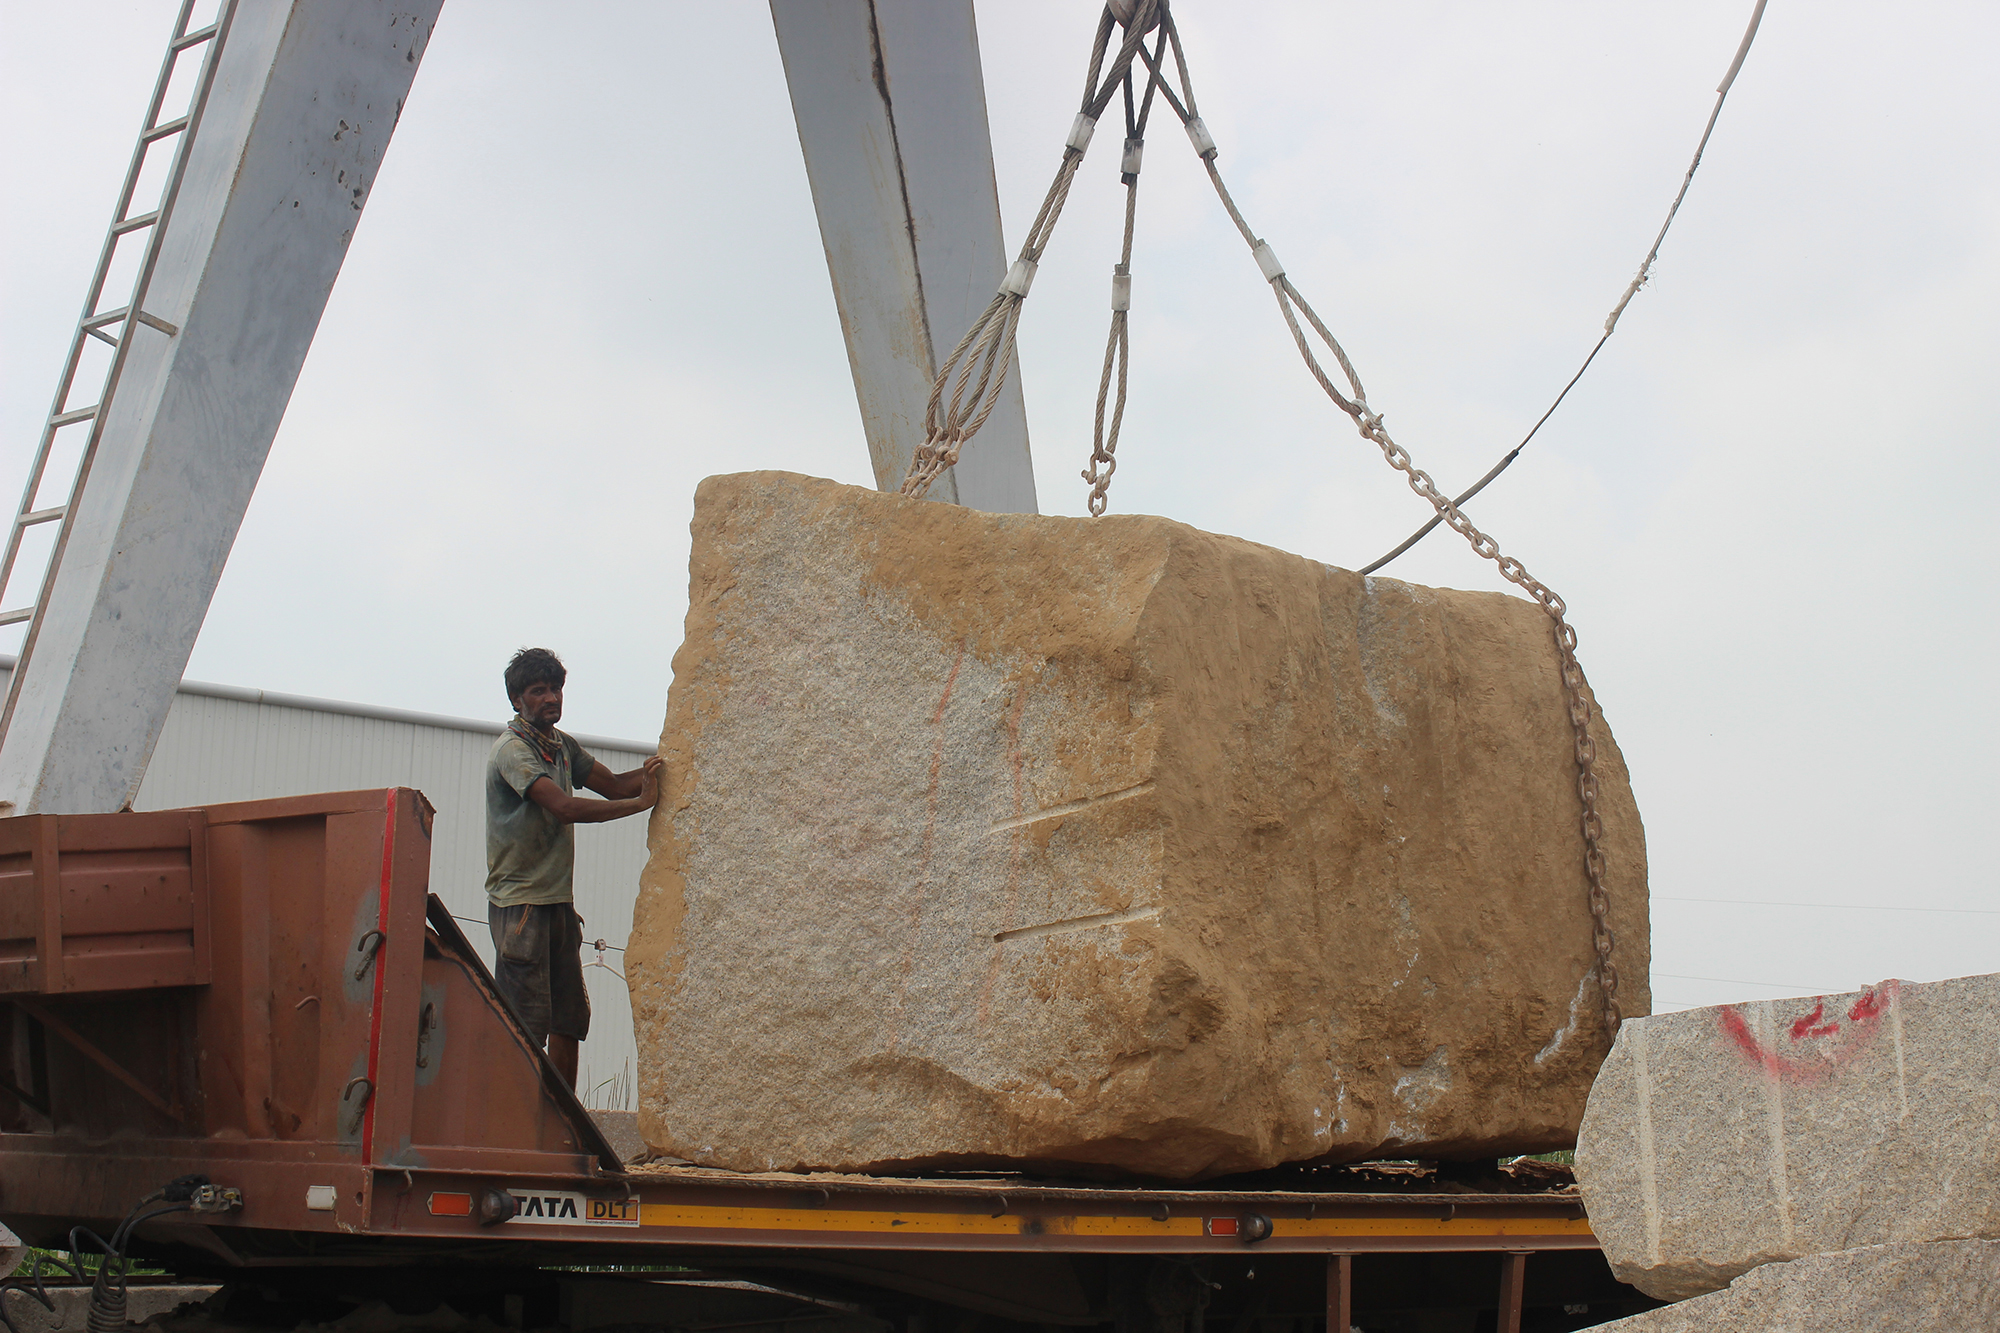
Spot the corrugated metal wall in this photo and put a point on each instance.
(223, 744)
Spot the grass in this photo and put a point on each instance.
(55, 1266)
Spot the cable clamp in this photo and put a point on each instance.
(1198, 135)
(1267, 261)
(1019, 278)
(1080, 131)
(1128, 165)
(1121, 288)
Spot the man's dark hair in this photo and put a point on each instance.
(533, 666)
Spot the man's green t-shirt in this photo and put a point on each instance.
(530, 854)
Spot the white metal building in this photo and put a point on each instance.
(223, 743)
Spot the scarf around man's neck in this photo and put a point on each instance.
(547, 744)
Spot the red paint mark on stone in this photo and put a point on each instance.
(1746, 1041)
(944, 700)
(1864, 1016)
(1810, 1026)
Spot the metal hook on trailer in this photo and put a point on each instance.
(370, 944)
(367, 1086)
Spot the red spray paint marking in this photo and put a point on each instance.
(1870, 1003)
(1810, 1026)
(1746, 1040)
(1865, 1021)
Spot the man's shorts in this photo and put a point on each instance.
(538, 961)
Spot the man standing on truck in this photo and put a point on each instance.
(531, 778)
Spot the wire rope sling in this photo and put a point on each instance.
(969, 384)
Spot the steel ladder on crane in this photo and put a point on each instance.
(113, 326)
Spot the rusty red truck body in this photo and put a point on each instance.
(266, 996)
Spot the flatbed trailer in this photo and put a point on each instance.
(263, 1001)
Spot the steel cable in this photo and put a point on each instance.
(977, 368)
(107, 1286)
(1368, 421)
(1118, 344)
(1611, 320)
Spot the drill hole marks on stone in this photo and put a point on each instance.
(1078, 923)
(1401, 733)
(1070, 808)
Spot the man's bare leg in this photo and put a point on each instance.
(562, 1054)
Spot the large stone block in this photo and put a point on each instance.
(1936, 1287)
(1107, 843)
(1720, 1139)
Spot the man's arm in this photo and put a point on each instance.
(578, 810)
(619, 786)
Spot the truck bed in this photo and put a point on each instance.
(266, 997)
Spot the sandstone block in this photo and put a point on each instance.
(997, 838)
(1935, 1287)
(1720, 1139)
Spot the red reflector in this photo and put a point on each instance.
(1217, 1226)
(451, 1205)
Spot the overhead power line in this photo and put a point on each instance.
(1773, 985)
(1839, 907)
(1611, 320)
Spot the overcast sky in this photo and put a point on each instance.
(589, 275)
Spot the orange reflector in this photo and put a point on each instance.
(1217, 1226)
(451, 1205)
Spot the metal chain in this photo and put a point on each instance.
(989, 343)
(1575, 687)
(977, 368)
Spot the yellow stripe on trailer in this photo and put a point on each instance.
(1431, 1226)
(824, 1219)
(724, 1218)
(1301, 1228)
